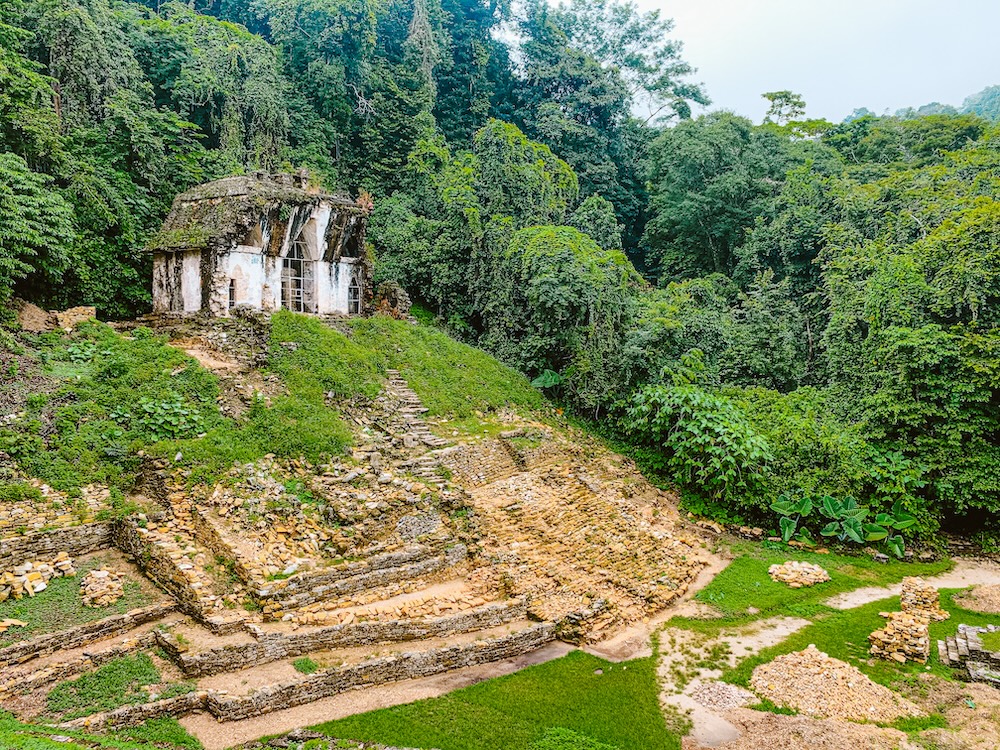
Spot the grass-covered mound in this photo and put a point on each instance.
(96, 400)
(604, 704)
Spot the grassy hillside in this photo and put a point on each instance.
(91, 403)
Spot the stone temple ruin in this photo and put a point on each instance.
(263, 241)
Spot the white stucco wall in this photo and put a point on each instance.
(191, 281)
(334, 280)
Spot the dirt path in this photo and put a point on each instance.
(216, 736)
(965, 573)
(683, 650)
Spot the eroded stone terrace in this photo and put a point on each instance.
(421, 552)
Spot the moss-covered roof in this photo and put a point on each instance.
(223, 211)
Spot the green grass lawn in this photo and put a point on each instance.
(157, 734)
(121, 682)
(745, 582)
(619, 708)
(843, 634)
(60, 606)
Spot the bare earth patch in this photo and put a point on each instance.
(983, 598)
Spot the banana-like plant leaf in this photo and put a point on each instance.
(784, 507)
(787, 527)
(874, 532)
(804, 507)
(829, 507)
(831, 529)
(895, 545)
(853, 530)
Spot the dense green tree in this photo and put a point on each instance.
(709, 179)
(985, 103)
(783, 106)
(35, 227)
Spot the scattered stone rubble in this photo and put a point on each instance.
(101, 588)
(905, 636)
(822, 687)
(798, 574)
(434, 605)
(722, 695)
(32, 577)
(920, 598)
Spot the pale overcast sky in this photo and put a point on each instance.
(839, 54)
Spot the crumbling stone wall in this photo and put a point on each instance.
(43, 545)
(314, 586)
(81, 635)
(377, 671)
(270, 647)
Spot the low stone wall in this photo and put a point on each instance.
(24, 680)
(131, 715)
(43, 545)
(274, 646)
(377, 671)
(162, 569)
(81, 635)
(313, 586)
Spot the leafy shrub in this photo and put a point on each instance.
(15, 492)
(847, 521)
(170, 418)
(305, 665)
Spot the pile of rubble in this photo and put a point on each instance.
(920, 598)
(101, 588)
(798, 574)
(905, 636)
(33, 577)
(983, 598)
(822, 687)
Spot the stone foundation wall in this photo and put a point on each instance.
(309, 587)
(43, 545)
(127, 716)
(377, 671)
(274, 646)
(81, 635)
(25, 680)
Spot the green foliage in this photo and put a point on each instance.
(567, 739)
(557, 301)
(697, 438)
(518, 710)
(163, 734)
(709, 178)
(847, 521)
(168, 419)
(15, 492)
(118, 683)
(35, 225)
(305, 665)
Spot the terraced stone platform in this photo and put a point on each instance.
(414, 556)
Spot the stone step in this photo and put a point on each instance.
(258, 693)
(271, 644)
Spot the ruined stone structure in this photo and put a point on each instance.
(265, 241)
